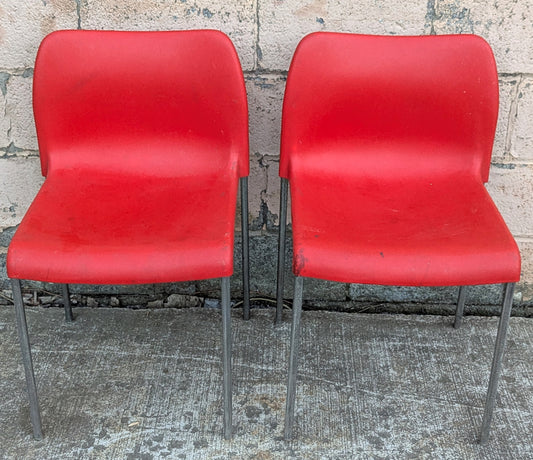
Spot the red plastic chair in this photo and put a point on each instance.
(386, 143)
(143, 138)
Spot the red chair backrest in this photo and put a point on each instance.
(157, 102)
(390, 106)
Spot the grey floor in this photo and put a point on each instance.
(143, 384)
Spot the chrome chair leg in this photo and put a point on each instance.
(281, 248)
(245, 248)
(26, 359)
(293, 357)
(497, 361)
(460, 307)
(226, 355)
(66, 302)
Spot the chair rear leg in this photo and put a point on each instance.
(26, 359)
(281, 248)
(66, 302)
(497, 361)
(226, 356)
(293, 357)
(460, 307)
(245, 248)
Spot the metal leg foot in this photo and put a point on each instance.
(66, 302)
(281, 249)
(245, 249)
(26, 359)
(226, 355)
(497, 361)
(293, 357)
(460, 307)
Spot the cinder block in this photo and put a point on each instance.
(526, 251)
(6, 233)
(20, 179)
(284, 24)
(525, 286)
(4, 118)
(264, 192)
(508, 87)
(475, 295)
(375, 293)
(236, 18)
(24, 23)
(20, 113)
(257, 183)
(4, 280)
(506, 25)
(511, 187)
(522, 138)
(273, 189)
(265, 99)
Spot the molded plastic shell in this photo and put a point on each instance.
(386, 142)
(143, 137)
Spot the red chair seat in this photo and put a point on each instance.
(126, 229)
(386, 142)
(365, 230)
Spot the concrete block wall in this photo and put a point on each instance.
(265, 33)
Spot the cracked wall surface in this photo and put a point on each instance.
(265, 34)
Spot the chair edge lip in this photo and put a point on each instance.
(453, 36)
(135, 32)
(416, 285)
(19, 278)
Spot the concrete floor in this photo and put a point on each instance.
(143, 384)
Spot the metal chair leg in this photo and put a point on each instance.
(26, 359)
(460, 307)
(245, 248)
(226, 355)
(66, 302)
(497, 361)
(281, 248)
(293, 357)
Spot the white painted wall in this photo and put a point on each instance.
(265, 33)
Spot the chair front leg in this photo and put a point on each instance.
(245, 248)
(281, 248)
(26, 359)
(293, 357)
(226, 356)
(497, 361)
(66, 302)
